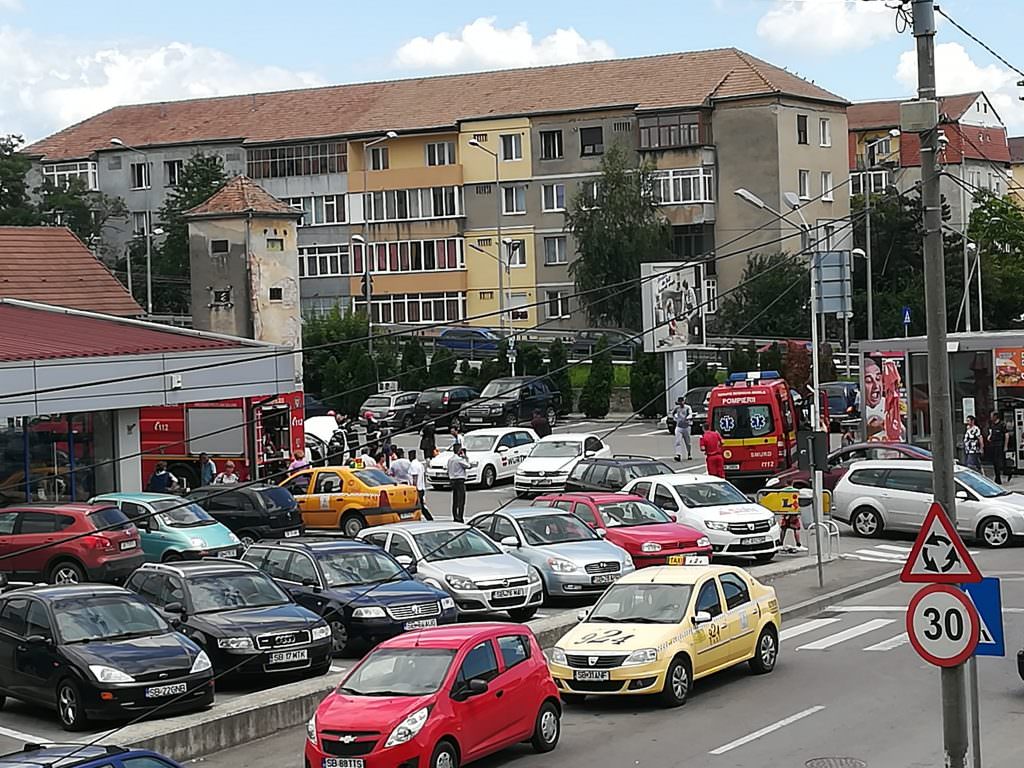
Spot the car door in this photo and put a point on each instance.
(37, 664)
(9, 560)
(299, 485)
(13, 615)
(320, 508)
(642, 488)
(34, 531)
(483, 716)
(525, 443)
(710, 639)
(517, 683)
(299, 572)
(740, 622)
(507, 458)
(586, 513)
(906, 497)
(231, 508)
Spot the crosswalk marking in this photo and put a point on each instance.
(883, 555)
(807, 626)
(892, 642)
(847, 634)
(894, 548)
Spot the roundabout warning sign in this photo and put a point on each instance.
(939, 555)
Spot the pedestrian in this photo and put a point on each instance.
(372, 432)
(418, 473)
(207, 469)
(364, 460)
(999, 440)
(792, 523)
(351, 428)
(683, 416)
(387, 447)
(399, 468)
(456, 438)
(974, 444)
(162, 481)
(540, 424)
(428, 444)
(457, 466)
(849, 438)
(299, 460)
(712, 446)
(228, 476)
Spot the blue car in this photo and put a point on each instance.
(468, 340)
(363, 592)
(84, 756)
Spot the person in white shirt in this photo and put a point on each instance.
(365, 460)
(228, 476)
(399, 468)
(457, 466)
(418, 473)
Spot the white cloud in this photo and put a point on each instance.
(827, 26)
(481, 44)
(48, 83)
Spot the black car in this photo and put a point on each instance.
(362, 591)
(610, 474)
(392, 410)
(512, 400)
(252, 512)
(97, 652)
(697, 399)
(443, 405)
(238, 615)
(623, 345)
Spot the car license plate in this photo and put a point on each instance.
(285, 657)
(129, 544)
(591, 674)
(227, 553)
(406, 515)
(756, 540)
(421, 624)
(159, 691)
(732, 466)
(499, 594)
(476, 421)
(292, 534)
(688, 560)
(344, 762)
(604, 578)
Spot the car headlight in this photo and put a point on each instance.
(641, 656)
(235, 643)
(717, 525)
(447, 603)
(373, 612)
(234, 539)
(703, 541)
(110, 674)
(201, 664)
(195, 541)
(558, 657)
(458, 582)
(534, 576)
(311, 729)
(495, 409)
(650, 546)
(562, 566)
(321, 632)
(408, 728)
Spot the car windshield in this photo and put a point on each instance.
(741, 421)
(107, 617)
(643, 604)
(647, 470)
(182, 514)
(980, 484)
(399, 672)
(373, 478)
(377, 402)
(554, 529)
(626, 514)
(479, 443)
(695, 397)
(504, 389)
(710, 494)
(454, 543)
(277, 499)
(228, 591)
(431, 397)
(109, 518)
(344, 569)
(557, 449)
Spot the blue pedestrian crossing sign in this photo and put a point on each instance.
(986, 597)
(906, 315)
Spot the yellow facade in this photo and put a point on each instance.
(478, 165)
(482, 278)
(1017, 183)
(866, 137)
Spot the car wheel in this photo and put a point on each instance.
(523, 614)
(766, 653)
(677, 683)
(69, 706)
(866, 522)
(66, 572)
(352, 524)
(488, 477)
(994, 532)
(547, 729)
(765, 557)
(172, 557)
(407, 421)
(444, 756)
(510, 420)
(248, 538)
(552, 417)
(340, 640)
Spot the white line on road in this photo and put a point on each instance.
(846, 634)
(867, 608)
(884, 555)
(893, 548)
(655, 433)
(336, 668)
(807, 626)
(866, 559)
(892, 642)
(766, 730)
(19, 736)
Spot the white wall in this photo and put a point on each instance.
(129, 465)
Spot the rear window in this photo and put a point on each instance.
(277, 498)
(740, 421)
(869, 477)
(377, 402)
(373, 477)
(109, 518)
(430, 398)
(647, 470)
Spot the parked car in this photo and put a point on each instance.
(552, 460)
(697, 398)
(512, 400)
(623, 345)
(495, 452)
(734, 524)
(454, 694)
(842, 403)
(611, 473)
(84, 756)
(466, 564)
(443, 405)
(68, 543)
(173, 528)
(875, 496)
(314, 406)
(96, 652)
(840, 460)
(245, 622)
(649, 535)
(364, 593)
(326, 443)
(394, 410)
(470, 340)
(252, 512)
(572, 559)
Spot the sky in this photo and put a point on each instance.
(64, 60)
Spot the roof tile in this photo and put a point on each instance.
(242, 195)
(868, 115)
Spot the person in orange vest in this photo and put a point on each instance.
(712, 446)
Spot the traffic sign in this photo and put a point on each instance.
(939, 555)
(942, 625)
(985, 595)
(906, 315)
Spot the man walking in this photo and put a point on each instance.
(400, 468)
(999, 439)
(457, 466)
(712, 446)
(207, 469)
(682, 414)
(418, 473)
(974, 444)
(540, 424)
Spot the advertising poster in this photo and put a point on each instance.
(885, 397)
(1009, 367)
(673, 305)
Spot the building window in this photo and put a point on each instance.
(518, 308)
(592, 141)
(275, 244)
(589, 192)
(318, 210)
(442, 255)
(710, 295)
(551, 145)
(826, 186)
(429, 308)
(684, 185)
(480, 137)
(297, 160)
(140, 175)
(801, 129)
(682, 129)
(513, 199)
(555, 251)
(557, 304)
(276, 294)
(875, 180)
(60, 174)
(141, 221)
(825, 132)
(805, 184)
(828, 238)
(515, 252)
(172, 172)
(512, 146)
(323, 260)
(410, 204)
(441, 153)
(378, 158)
(219, 247)
(693, 241)
(553, 197)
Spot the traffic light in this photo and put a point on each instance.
(366, 285)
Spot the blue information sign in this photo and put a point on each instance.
(987, 600)
(906, 315)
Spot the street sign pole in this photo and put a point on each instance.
(972, 679)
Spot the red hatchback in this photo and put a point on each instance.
(68, 543)
(438, 698)
(651, 536)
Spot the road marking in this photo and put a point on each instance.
(24, 737)
(807, 626)
(867, 608)
(766, 730)
(886, 555)
(336, 668)
(893, 548)
(846, 634)
(893, 642)
(655, 433)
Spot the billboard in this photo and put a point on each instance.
(884, 396)
(672, 299)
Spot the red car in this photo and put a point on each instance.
(438, 698)
(840, 460)
(651, 536)
(68, 543)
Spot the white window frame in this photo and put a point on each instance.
(440, 152)
(561, 252)
(710, 295)
(824, 132)
(172, 172)
(511, 147)
(803, 184)
(684, 186)
(60, 174)
(589, 189)
(319, 210)
(560, 142)
(146, 175)
(517, 305)
(826, 186)
(877, 180)
(516, 195)
(557, 203)
(379, 159)
(515, 253)
(560, 298)
(415, 250)
(426, 303)
(328, 260)
(146, 217)
(412, 204)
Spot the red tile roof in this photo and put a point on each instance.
(1016, 149)
(868, 115)
(52, 266)
(653, 82)
(46, 333)
(241, 195)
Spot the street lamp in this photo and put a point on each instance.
(501, 260)
(894, 133)
(149, 235)
(366, 233)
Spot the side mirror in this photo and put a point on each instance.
(3, 580)
(962, 495)
(174, 608)
(477, 686)
(36, 640)
(310, 582)
(510, 541)
(406, 562)
(673, 517)
(583, 614)
(502, 449)
(174, 621)
(701, 617)
(601, 532)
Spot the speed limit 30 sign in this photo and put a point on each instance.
(943, 625)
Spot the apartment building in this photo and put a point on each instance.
(413, 181)
(1016, 144)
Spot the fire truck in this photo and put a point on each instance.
(258, 434)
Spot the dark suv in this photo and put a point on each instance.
(512, 400)
(442, 405)
(610, 474)
(252, 512)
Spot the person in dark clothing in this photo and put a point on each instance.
(999, 439)
(540, 424)
(457, 466)
(372, 433)
(351, 427)
(161, 480)
(428, 442)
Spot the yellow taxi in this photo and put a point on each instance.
(351, 498)
(657, 630)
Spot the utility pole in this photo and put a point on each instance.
(867, 259)
(954, 710)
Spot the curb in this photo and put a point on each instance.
(818, 602)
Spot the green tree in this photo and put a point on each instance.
(492, 368)
(997, 231)
(529, 359)
(442, 367)
(85, 213)
(329, 336)
(468, 375)
(16, 208)
(414, 364)
(646, 384)
(615, 231)
(559, 374)
(778, 281)
(359, 378)
(743, 359)
(595, 399)
(700, 375)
